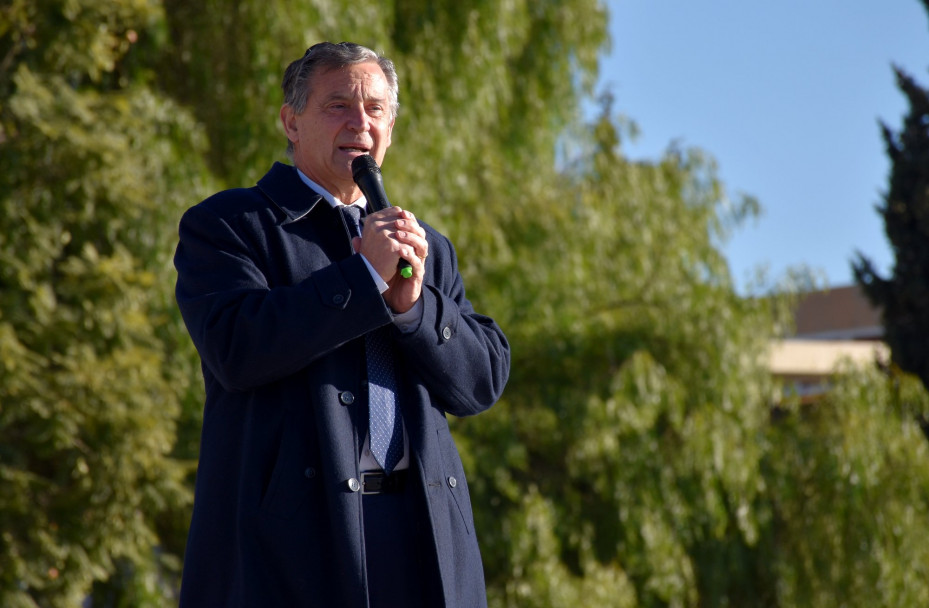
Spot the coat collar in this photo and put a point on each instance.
(286, 190)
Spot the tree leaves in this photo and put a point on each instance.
(91, 190)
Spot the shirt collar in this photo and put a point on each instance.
(332, 200)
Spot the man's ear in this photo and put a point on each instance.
(289, 120)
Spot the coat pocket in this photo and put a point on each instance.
(454, 477)
(293, 478)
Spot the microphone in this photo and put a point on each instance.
(367, 175)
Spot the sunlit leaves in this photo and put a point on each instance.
(848, 490)
(89, 390)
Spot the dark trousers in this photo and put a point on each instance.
(397, 572)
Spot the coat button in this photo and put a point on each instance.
(338, 299)
(347, 397)
(309, 473)
(452, 482)
(447, 333)
(353, 484)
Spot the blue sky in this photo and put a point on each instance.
(787, 97)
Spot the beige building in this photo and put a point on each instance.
(831, 326)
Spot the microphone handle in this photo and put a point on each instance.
(372, 186)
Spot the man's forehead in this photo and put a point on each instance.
(367, 70)
(345, 81)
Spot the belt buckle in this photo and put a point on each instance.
(372, 483)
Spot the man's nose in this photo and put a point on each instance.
(358, 119)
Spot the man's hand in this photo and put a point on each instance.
(391, 234)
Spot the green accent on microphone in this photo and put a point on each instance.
(406, 272)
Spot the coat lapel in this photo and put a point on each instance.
(288, 192)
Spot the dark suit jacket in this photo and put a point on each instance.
(275, 304)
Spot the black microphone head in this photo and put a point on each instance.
(364, 164)
(367, 175)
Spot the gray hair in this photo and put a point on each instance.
(327, 56)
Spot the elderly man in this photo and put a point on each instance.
(328, 476)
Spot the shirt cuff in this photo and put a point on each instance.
(381, 283)
(408, 321)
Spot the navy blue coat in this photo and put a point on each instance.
(275, 304)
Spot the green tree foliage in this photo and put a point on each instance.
(847, 481)
(625, 464)
(637, 460)
(96, 166)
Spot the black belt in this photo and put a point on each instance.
(382, 483)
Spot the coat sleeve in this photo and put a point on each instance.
(250, 332)
(461, 356)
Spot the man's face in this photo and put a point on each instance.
(347, 114)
